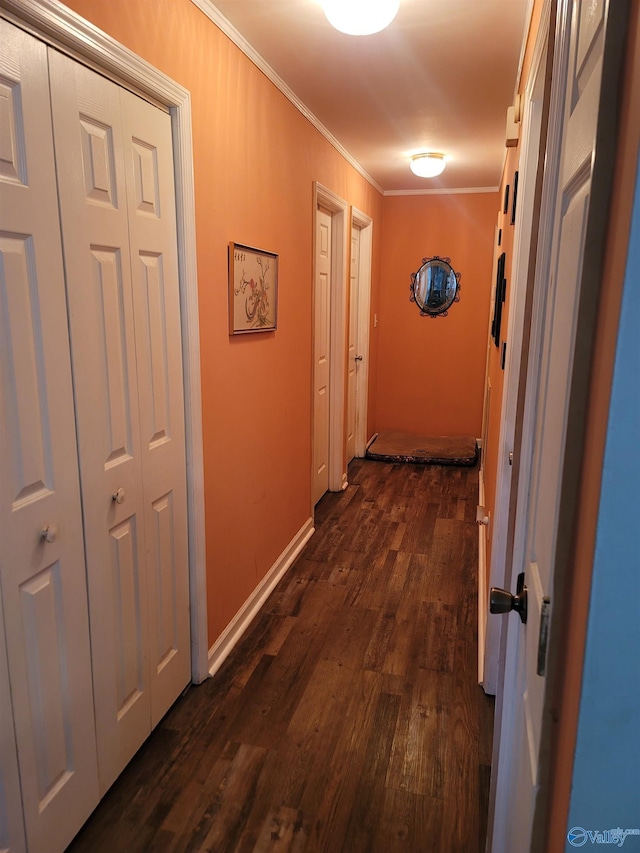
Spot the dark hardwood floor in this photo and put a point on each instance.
(349, 717)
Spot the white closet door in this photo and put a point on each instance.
(93, 207)
(352, 354)
(156, 302)
(115, 172)
(321, 355)
(43, 578)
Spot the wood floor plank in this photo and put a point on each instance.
(284, 831)
(348, 717)
(334, 806)
(222, 824)
(362, 828)
(411, 822)
(416, 760)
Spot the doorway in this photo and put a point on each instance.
(573, 227)
(70, 34)
(534, 120)
(329, 343)
(358, 343)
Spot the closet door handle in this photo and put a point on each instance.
(50, 532)
(118, 496)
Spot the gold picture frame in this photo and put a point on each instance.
(253, 290)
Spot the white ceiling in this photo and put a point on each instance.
(439, 78)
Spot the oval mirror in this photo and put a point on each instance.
(435, 287)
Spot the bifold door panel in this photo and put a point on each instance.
(93, 565)
(42, 574)
(119, 239)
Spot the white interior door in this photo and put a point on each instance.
(352, 344)
(321, 354)
(156, 304)
(364, 226)
(116, 201)
(93, 207)
(43, 578)
(556, 304)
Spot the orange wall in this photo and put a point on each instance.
(430, 371)
(255, 160)
(495, 373)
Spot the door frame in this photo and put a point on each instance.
(365, 224)
(505, 720)
(326, 198)
(68, 32)
(565, 513)
(517, 344)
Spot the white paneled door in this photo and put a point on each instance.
(115, 178)
(94, 576)
(556, 309)
(321, 355)
(156, 307)
(352, 353)
(42, 566)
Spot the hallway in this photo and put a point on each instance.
(349, 717)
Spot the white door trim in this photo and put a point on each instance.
(338, 349)
(528, 167)
(64, 29)
(502, 781)
(365, 224)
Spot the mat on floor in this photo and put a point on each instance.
(391, 446)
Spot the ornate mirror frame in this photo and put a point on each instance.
(435, 287)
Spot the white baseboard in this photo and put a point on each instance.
(240, 622)
(482, 584)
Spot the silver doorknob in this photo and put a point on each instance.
(501, 601)
(118, 496)
(50, 532)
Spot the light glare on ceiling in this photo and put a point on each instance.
(428, 165)
(360, 17)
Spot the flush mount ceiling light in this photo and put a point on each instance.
(428, 165)
(360, 17)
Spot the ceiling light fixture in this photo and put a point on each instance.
(360, 17)
(428, 165)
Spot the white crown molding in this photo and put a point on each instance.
(443, 191)
(216, 16)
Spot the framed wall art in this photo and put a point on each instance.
(253, 290)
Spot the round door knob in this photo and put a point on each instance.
(118, 496)
(50, 532)
(501, 601)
